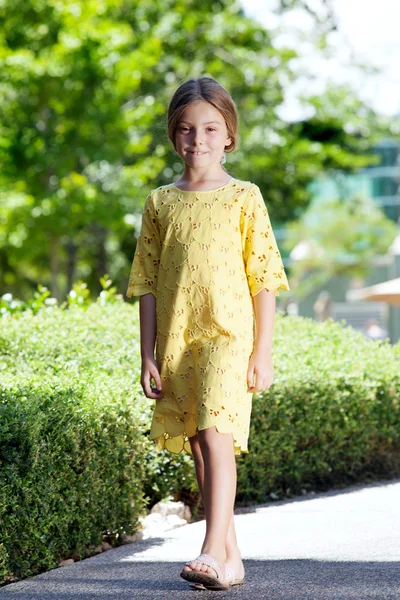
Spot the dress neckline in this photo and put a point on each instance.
(204, 191)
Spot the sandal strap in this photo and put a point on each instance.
(229, 574)
(208, 560)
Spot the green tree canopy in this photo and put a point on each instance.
(83, 95)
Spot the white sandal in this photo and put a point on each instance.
(206, 580)
(230, 578)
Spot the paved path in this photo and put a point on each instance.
(332, 546)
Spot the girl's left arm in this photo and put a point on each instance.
(265, 275)
(264, 304)
(260, 364)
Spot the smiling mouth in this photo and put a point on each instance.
(197, 153)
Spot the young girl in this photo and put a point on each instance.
(207, 269)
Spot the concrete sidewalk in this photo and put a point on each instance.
(331, 546)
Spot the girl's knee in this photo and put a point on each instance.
(210, 438)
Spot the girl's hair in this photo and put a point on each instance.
(208, 89)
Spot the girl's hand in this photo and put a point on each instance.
(260, 366)
(150, 372)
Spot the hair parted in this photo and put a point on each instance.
(208, 89)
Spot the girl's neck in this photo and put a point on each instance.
(189, 181)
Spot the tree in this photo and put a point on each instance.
(84, 90)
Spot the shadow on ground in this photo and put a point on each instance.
(128, 573)
(265, 580)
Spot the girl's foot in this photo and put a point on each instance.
(231, 579)
(199, 566)
(203, 567)
(206, 571)
(237, 565)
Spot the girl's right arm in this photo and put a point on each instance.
(148, 331)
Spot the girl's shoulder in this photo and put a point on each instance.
(161, 189)
(243, 185)
(240, 185)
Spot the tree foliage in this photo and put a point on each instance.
(83, 96)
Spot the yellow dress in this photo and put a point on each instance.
(203, 255)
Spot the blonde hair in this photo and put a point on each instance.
(208, 89)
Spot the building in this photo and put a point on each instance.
(382, 183)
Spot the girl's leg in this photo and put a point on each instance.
(213, 453)
(231, 547)
(233, 557)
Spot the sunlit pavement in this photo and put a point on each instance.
(331, 546)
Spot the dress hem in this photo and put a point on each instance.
(139, 292)
(162, 440)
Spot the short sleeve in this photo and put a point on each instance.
(263, 263)
(146, 261)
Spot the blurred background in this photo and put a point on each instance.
(84, 88)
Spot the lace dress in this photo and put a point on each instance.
(203, 255)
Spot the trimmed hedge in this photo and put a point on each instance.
(69, 473)
(331, 417)
(71, 435)
(77, 466)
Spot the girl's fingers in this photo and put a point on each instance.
(150, 390)
(262, 385)
(147, 388)
(157, 379)
(250, 379)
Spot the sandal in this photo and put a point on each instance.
(206, 580)
(229, 578)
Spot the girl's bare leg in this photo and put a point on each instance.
(223, 477)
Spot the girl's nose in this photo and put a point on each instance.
(197, 138)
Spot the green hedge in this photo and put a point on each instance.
(71, 435)
(331, 417)
(77, 466)
(69, 473)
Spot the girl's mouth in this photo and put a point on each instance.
(197, 153)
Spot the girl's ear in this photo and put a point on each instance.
(228, 141)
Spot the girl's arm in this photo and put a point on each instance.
(260, 363)
(264, 304)
(148, 331)
(265, 271)
(148, 325)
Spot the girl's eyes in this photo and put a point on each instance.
(187, 129)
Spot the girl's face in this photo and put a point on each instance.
(201, 135)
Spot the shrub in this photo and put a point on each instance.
(332, 415)
(77, 466)
(71, 443)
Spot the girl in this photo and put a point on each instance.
(207, 269)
